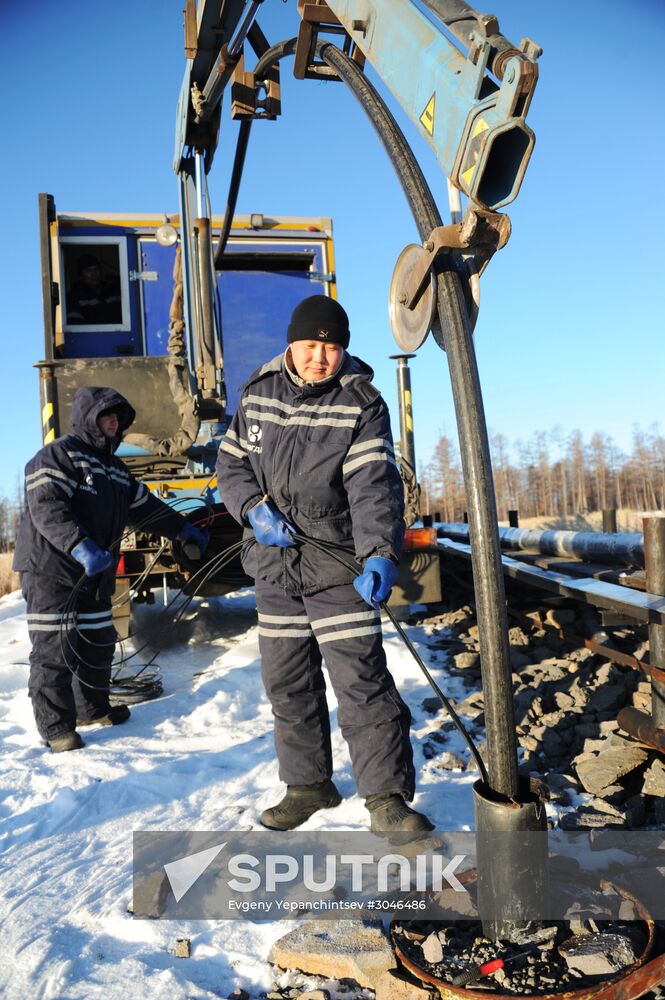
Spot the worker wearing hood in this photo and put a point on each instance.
(79, 499)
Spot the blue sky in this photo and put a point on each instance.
(571, 325)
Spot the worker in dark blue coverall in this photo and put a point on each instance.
(310, 448)
(79, 498)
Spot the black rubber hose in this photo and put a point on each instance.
(234, 188)
(483, 531)
(411, 177)
(274, 54)
(268, 57)
(456, 339)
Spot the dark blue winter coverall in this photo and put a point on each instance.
(323, 453)
(75, 488)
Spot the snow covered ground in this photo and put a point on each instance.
(199, 758)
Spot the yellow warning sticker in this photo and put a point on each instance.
(427, 117)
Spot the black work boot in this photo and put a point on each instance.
(115, 716)
(299, 803)
(389, 813)
(65, 741)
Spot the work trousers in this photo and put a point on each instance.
(71, 655)
(336, 625)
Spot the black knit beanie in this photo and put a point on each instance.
(319, 318)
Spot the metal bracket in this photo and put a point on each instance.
(481, 233)
(317, 18)
(253, 98)
(206, 375)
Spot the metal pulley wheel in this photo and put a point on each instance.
(410, 326)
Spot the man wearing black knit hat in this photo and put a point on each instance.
(309, 452)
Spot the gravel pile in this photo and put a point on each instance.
(566, 701)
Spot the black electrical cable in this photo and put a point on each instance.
(69, 612)
(156, 516)
(208, 569)
(333, 550)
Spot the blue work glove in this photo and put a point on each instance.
(194, 541)
(93, 559)
(376, 580)
(270, 528)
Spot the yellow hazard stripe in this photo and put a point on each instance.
(48, 430)
(181, 484)
(468, 174)
(480, 126)
(409, 411)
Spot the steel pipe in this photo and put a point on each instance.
(235, 45)
(626, 548)
(199, 180)
(206, 333)
(225, 64)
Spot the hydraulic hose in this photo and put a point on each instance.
(268, 57)
(456, 338)
(234, 188)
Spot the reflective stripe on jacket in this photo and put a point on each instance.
(76, 488)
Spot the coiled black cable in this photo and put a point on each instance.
(146, 683)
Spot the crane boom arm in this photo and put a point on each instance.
(471, 108)
(475, 126)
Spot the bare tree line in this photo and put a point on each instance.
(553, 474)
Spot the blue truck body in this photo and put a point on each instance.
(270, 265)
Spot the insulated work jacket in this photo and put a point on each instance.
(323, 453)
(75, 488)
